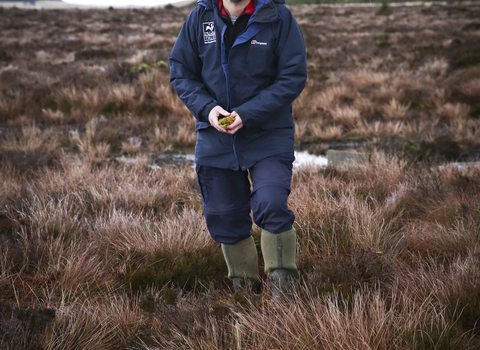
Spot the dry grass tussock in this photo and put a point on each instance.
(117, 256)
(101, 248)
(368, 321)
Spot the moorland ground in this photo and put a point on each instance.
(98, 251)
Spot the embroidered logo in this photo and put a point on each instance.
(255, 42)
(209, 33)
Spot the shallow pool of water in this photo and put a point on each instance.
(304, 158)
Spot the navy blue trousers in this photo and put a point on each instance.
(228, 197)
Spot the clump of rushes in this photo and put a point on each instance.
(226, 121)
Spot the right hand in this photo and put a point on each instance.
(214, 115)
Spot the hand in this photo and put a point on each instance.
(215, 113)
(236, 125)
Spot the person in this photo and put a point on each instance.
(245, 59)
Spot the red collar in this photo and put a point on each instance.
(250, 9)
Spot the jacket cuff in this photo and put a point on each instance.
(206, 111)
(242, 115)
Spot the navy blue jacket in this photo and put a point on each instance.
(265, 70)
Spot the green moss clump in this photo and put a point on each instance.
(468, 302)
(170, 296)
(432, 337)
(467, 59)
(241, 298)
(472, 26)
(226, 121)
(148, 304)
(384, 9)
(141, 68)
(43, 17)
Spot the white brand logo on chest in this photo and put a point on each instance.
(209, 33)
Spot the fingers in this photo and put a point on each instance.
(215, 113)
(234, 130)
(236, 125)
(218, 112)
(221, 111)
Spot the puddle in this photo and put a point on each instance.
(9, 67)
(159, 160)
(309, 145)
(304, 158)
(174, 158)
(459, 165)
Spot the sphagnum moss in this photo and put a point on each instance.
(226, 121)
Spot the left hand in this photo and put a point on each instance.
(236, 125)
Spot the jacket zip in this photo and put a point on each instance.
(225, 69)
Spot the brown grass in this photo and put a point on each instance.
(384, 265)
(102, 246)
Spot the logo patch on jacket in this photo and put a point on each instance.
(255, 42)
(209, 33)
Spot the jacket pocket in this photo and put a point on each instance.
(201, 183)
(201, 125)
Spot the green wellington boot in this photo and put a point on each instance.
(279, 251)
(242, 263)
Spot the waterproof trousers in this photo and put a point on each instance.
(229, 197)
